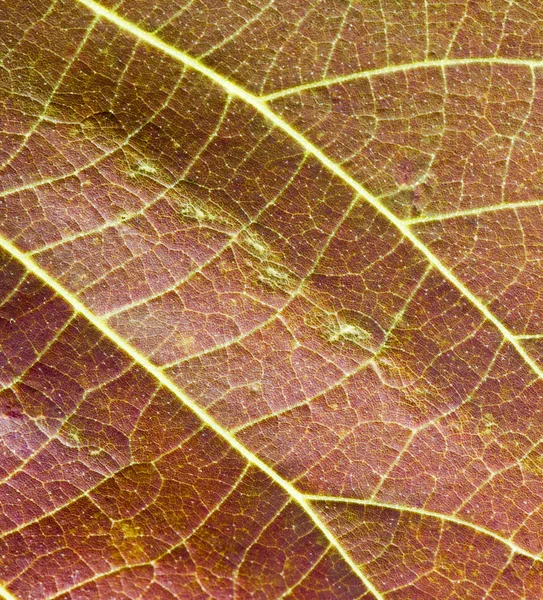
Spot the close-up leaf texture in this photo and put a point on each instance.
(271, 299)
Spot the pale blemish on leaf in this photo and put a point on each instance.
(267, 263)
(335, 328)
(122, 216)
(75, 437)
(276, 278)
(488, 424)
(144, 168)
(192, 211)
(350, 333)
(71, 436)
(198, 211)
(256, 245)
(127, 536)
(130, 530)
(185, 342)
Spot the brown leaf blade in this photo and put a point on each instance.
(270, 325)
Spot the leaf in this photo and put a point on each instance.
(271, 317)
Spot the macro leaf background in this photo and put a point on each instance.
(271, 310)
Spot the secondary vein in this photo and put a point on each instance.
(32, 267)
(262, 107)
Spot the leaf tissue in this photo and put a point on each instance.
(271, 307)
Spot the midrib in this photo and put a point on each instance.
(138, 358)
(260, 106)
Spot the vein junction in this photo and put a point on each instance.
(168, 384)
(260, 105)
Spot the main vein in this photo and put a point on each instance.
(5, 594)
(167, 383)
(261, 107)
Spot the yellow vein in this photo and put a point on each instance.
(42, 117)
(428, 513)
(263, 109)
(138, 358)
(424, 64)
(5, 594)
(468, 212)
(168, 551)
(259, 105)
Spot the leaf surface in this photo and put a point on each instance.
(270, 300)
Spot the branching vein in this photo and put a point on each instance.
(260, 104)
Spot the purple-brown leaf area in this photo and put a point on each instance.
(271, 320)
